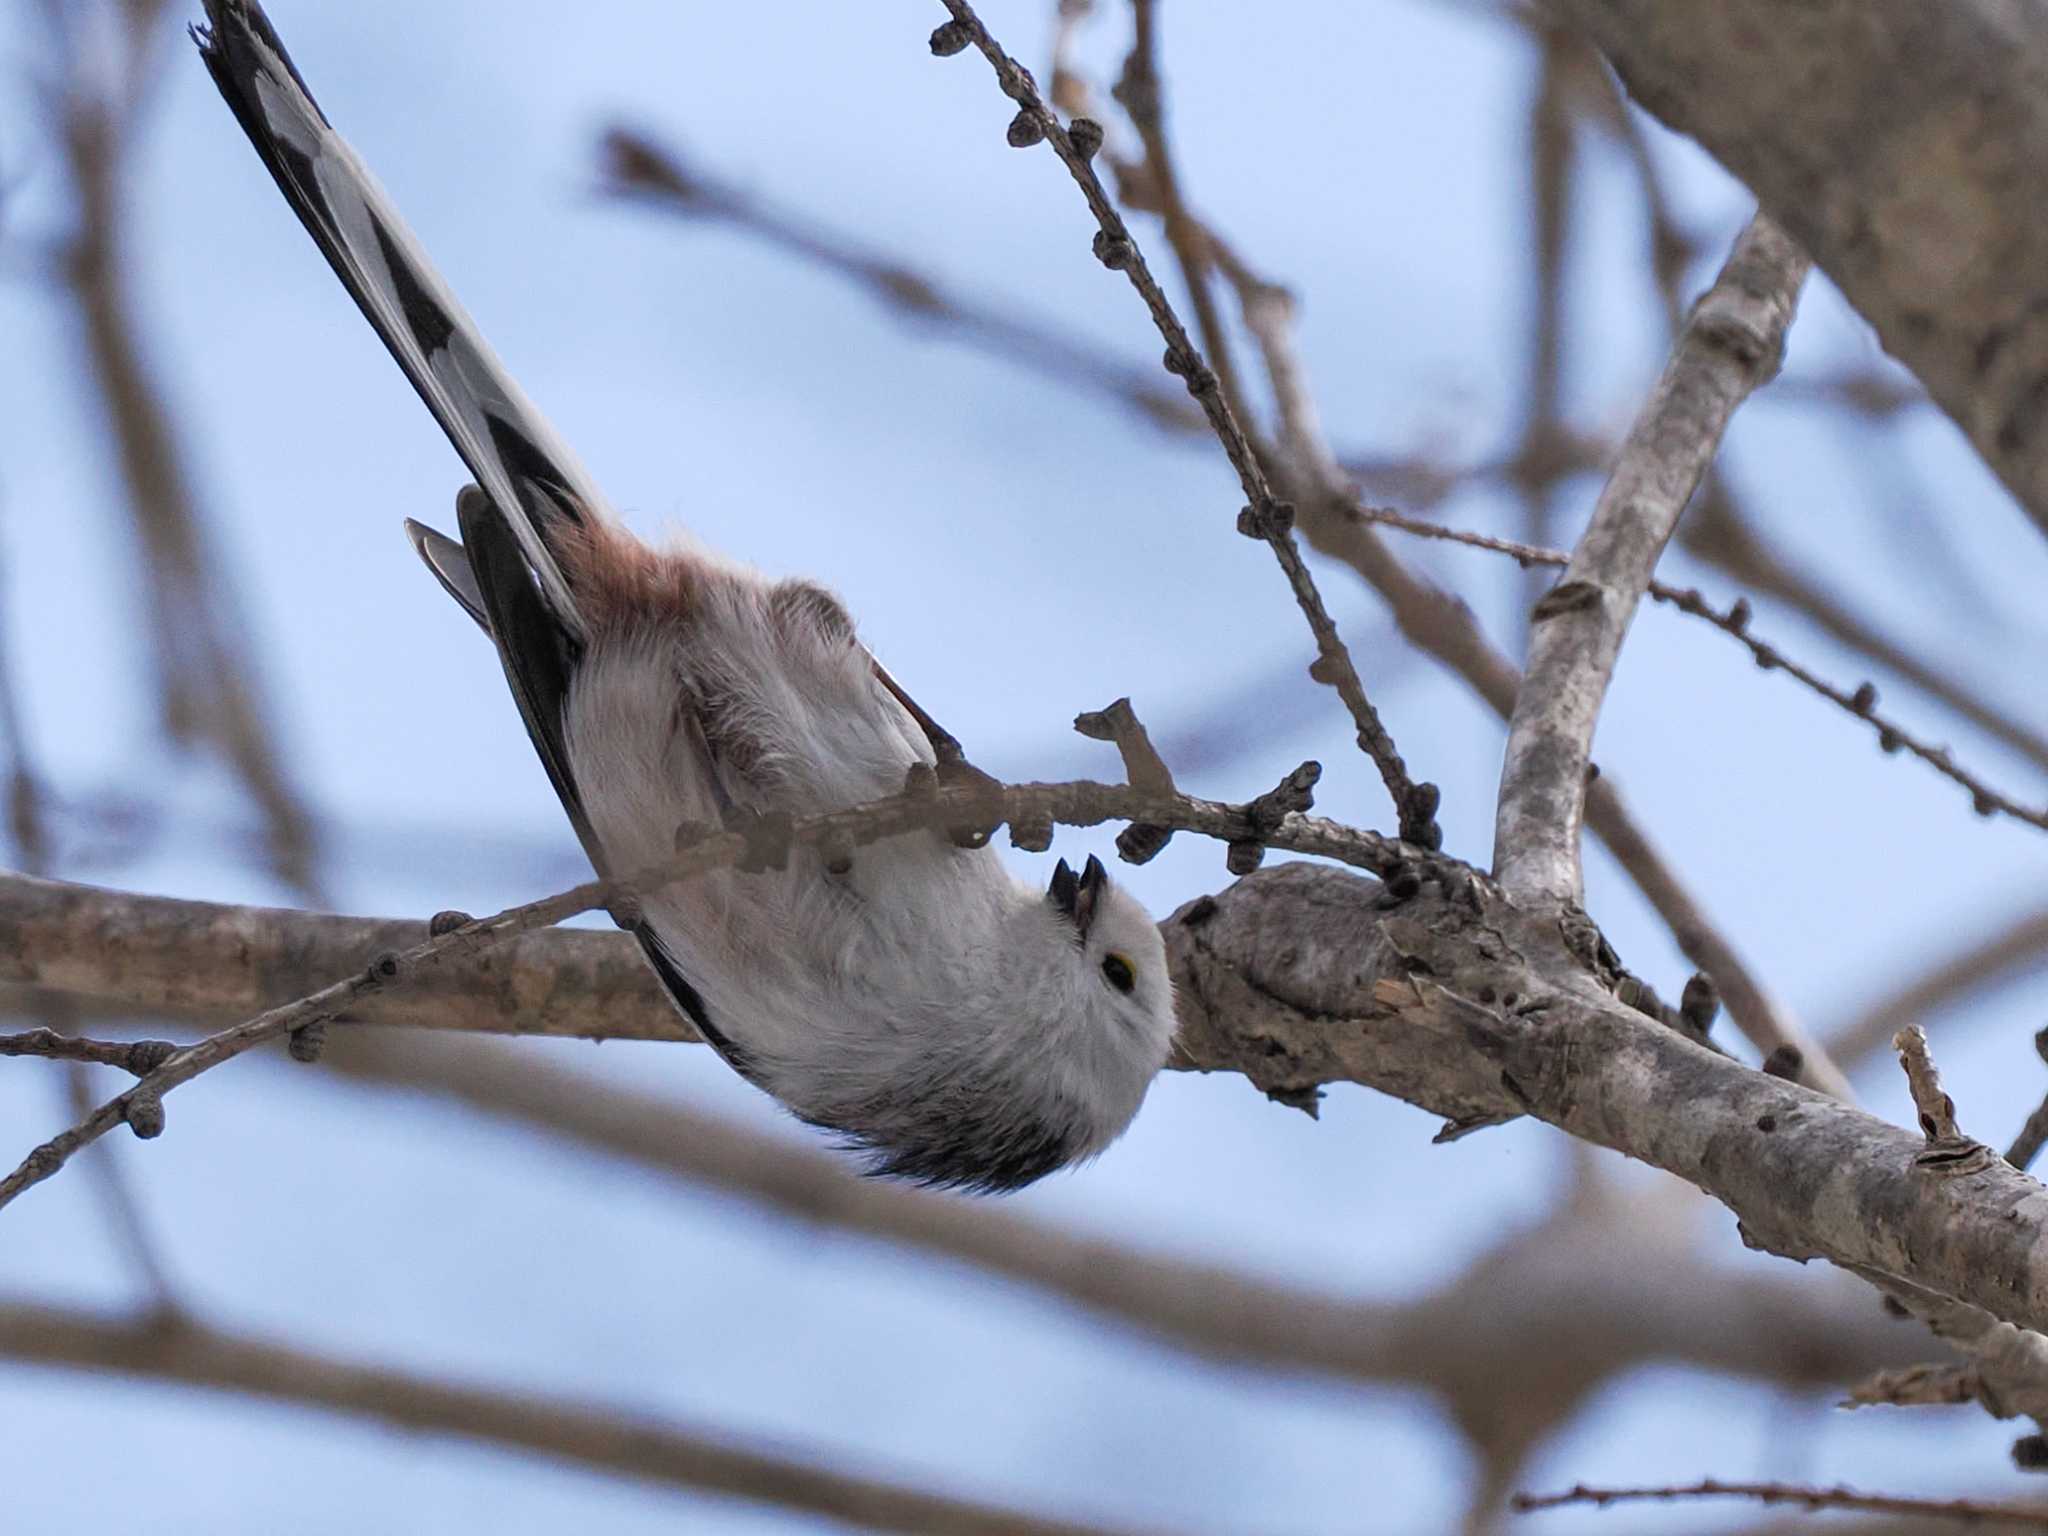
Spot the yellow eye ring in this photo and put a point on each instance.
(1117, 969)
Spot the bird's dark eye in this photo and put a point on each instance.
(1119, 972)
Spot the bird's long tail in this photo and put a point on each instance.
(530, 477)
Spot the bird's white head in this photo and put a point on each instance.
(1072, 1019)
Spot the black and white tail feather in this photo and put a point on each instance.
(529, 477)
(965, 1029)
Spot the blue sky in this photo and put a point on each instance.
(1016, 551)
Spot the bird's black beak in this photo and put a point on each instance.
(1076, 895)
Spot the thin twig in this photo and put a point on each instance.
(1948, 1151)
(1731, 345)
(1963, 1511)
(1936, 1109)
(1144, 768)
(768, 843)
(2003, 1367)
(140, 1057)
(2026, 1146)
(1722, 537)
(1942, 1384)
(1542, 461)
(633, 1443)
(1734, 622)
(2034, 1134)
(1265, 517)
(1141, 92)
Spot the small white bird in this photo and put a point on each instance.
(961, 1027)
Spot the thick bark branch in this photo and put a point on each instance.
(1729, 347)
(1296, 976)
(1901, 144)
(1469, 979)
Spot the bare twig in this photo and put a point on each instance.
(2004, 1368)
(1936, 1109)
(917, 809)
(2026, 1146)
(1962, 1511)
(1915, 1386)
(636, 1444)
(1141, 92)
(1719, 535)
(1731, 345)
(141, 1057)
(1734, 622)
(1144, 768)
(1543, 459)
(1265, 517)
(2034, 1134)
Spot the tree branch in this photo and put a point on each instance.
(1457, 1001)
(1733, 621)
(925, 806)
(140, 1057)
(584, 1434)
(1730, 346)
(635, 168)
(1434, 621)
(1968, 1512)
(208, 687)
(638, 169)
(1918, 197)
(1549, 1296)
(1265, 517)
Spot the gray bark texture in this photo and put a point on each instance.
(1454, 1000)
(1901, 143)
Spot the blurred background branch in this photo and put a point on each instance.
(96, 70)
